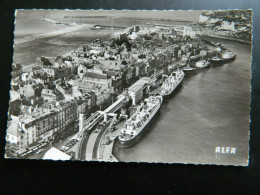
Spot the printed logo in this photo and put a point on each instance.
(225, 150)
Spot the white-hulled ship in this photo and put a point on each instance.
(202, 64)
(171, 83)
(139, 121)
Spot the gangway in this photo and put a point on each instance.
(90, 122)
(95, 118)
(113, 108)
(92, 119)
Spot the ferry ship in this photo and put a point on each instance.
(139, 121)
(202, 64)
(171, 83)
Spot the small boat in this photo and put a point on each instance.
(202, 64)
(188, 68)
(216, 59)
(228, 56)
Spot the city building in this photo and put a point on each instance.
(41, 124)
(136, 90)
(51, 95)
(64, 88)
(17, 70)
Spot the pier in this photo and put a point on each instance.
(108, 27)
(94, 136)
(94, 142)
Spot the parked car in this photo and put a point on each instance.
(39, 151)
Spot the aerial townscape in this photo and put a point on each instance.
(79, 105)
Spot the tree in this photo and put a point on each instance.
(163, 36)
(38, 90)
(17, 66)
(141, 56)
(124, 62)
(45, 61)
(14, 108)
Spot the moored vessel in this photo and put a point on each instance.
(228, 56)
(202, 64)
(188, 69)
(216, 59)
(171, 83)
(139, 121)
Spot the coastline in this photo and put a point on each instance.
(80, 27)
(133, 18)
(226, 38)
(52, 34)
(67, 50)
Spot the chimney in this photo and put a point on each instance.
(126, 90)
(81, 122)
(30, 109)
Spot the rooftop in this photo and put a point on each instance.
(55, 154)
(95, 74)
(139, 84)
(13, 129)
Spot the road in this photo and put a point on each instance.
(56, 145)
(90, 145)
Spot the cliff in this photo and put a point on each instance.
(234, 24)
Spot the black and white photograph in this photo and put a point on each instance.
(156, 86)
